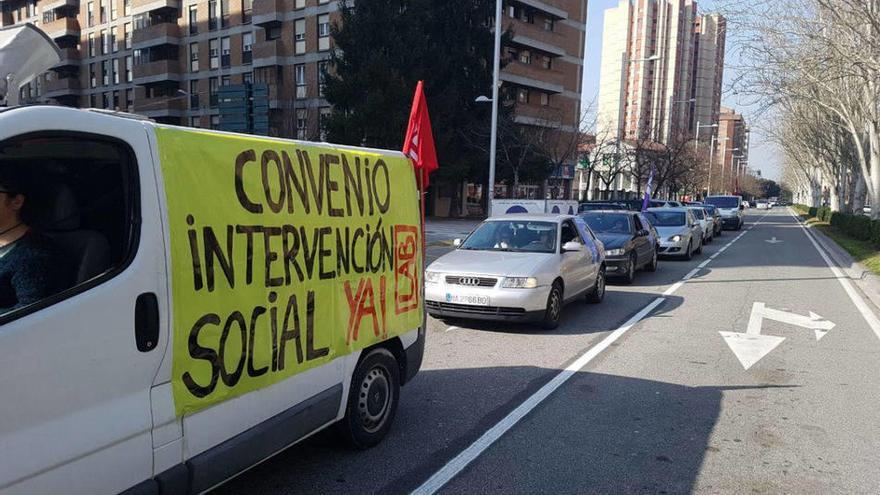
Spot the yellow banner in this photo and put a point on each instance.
(284, 257)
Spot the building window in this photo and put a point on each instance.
(224, 13)
(546, 62)
(299, 4)
(129, 99)
(93, 101)
(193, 19)
(116, 99)
(545, 99)
(90, 13)
(215, 121)
(194, 57)
(323, 67)
(247, 9)
(194, 122)
(113, 42)
(212, 15)
(324, 32)
(247, 78)
(126, 8)
(323, 119)
(273, 33)
(129, 63)
(141, 21)
(194, 95)
(105, 42)
(321, 2)
(91, 44)
(247, 46)
(126, 32)
(525, 57)
(301, 88)
(548, 24)
(105, 103)
(213, 84)
(115, 71)
(114, 12)
(105, 73)
(301, 122)
(299, 36)
(103, 11)
(214, 53)
(522, 95)
(225, 58)
(93, 77)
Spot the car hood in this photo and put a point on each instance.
(498, 263)
(665, 232)
(614, 241)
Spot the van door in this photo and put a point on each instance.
(78, 365)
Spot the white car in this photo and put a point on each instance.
(681, 235)
(762, 205)
(706, 221)
(518, 267)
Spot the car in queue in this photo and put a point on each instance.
(630, 241)
(600, 205)
(762, 204)
(707, 222)
(716, 219)
(731, 210)
(518, 268)
(681, 235)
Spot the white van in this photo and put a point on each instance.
(229, 295)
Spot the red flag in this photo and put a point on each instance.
(419, 142)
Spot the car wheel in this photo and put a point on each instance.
(372, 399)
(699, 249)
(688, 255)
(630, 270)
(652, 266)
(597, 294)
(554, 307)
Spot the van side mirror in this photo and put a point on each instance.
(572, 246)
(456, 242)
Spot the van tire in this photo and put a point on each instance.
(372, 399)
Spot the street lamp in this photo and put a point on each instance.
(724, 162)
(711, 150)
(496, 83)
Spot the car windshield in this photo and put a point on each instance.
(710, 209)
(608, 223)
(666, 219)
(600, 206)
(513, 235)
(723, 201)
(699, 213)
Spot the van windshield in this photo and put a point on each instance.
(723, 201)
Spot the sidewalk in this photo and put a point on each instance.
(861, 277)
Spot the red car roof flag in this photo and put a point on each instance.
(419, 142)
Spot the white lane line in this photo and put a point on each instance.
(691, 273)
(703, 264)
(474, 450)
(867, 314)
(457, 464)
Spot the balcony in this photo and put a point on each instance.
(550, 81)
(62, 28)
(144, 6)
(157, 72)
(60, 4)
(546, 9)
(163, 106)
(268, 13)
(58, 88)
(70, 57)
(537, 38)
(267, 53)
(165, 33)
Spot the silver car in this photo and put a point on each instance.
(681, 235)
(706, 221)
(518, 267)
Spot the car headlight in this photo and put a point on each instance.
(615, 252)
(520, 283)
(675, 238)
(432, 277)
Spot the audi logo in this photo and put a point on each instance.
(469, 281)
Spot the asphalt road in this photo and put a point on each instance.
(662, 404)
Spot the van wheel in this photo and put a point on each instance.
(372, 399)
(554, 308)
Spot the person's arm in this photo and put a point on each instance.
(36, 277)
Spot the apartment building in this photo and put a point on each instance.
(731, 151)
(167, 59)
(543, 73)
(661, 70)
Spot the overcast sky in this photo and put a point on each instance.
(764, 154)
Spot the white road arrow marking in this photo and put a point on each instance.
(751, 346)
(773, 241)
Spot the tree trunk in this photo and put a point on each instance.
(875, 170)
(858, 201)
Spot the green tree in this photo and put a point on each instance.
(384, 47)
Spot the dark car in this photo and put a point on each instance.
(630, 241)
(600, 205)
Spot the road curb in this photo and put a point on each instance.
(866, 281)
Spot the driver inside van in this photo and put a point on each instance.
(32, 267)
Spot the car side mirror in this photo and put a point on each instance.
(642, 233)
(572, 246)
(456, 242)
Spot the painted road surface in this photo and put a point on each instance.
(645, 393)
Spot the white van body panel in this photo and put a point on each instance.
(76, 414)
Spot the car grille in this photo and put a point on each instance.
(474, 310)
(471, 281)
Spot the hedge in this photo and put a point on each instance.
(857, 226)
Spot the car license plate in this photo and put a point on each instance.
(467, 299)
